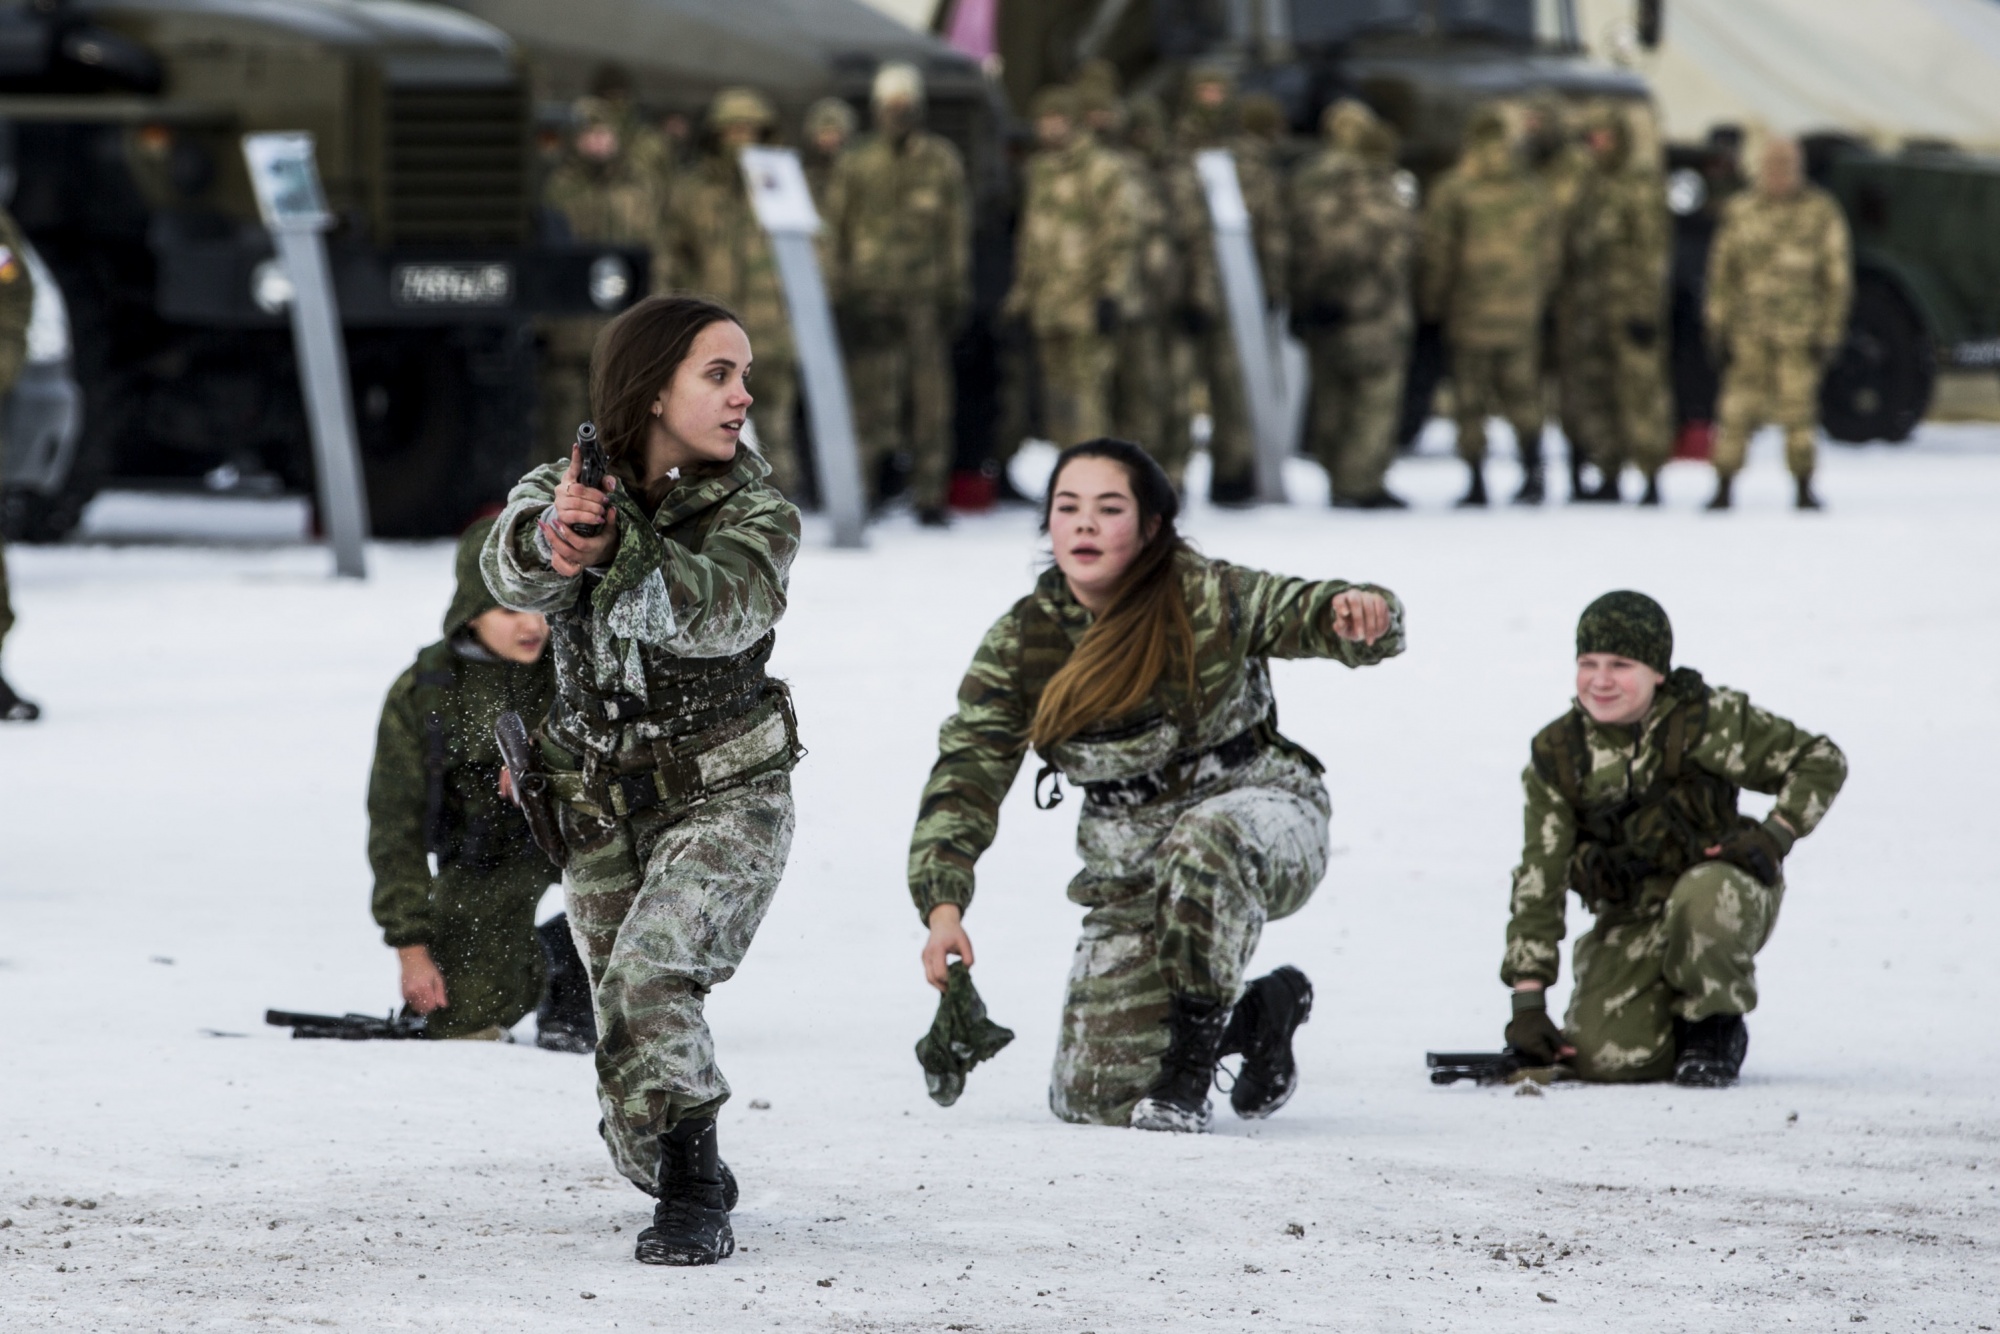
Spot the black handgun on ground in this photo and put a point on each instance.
(352, 1027)
(1482, 1067)
(590, 466)
(531, 785)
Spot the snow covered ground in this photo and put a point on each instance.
(181, 846)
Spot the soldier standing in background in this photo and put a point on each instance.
(602, 196)
(17, 306)
(714, 247)
(1559, 164)
(1612, 315)
(1779, 283)
(830, 123)
(1151, 401)
(1074, 258)
(898, 256)
(1488, 252)
(1352, 238)
(1210, 121)
(653, 156)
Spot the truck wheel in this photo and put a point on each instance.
(1880, 383)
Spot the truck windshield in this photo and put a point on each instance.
(1325, 22)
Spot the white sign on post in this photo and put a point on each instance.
(1243, 296)
(285, 177)
(784, 207)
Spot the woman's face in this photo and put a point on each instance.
(1614, 689)
(699, 416)
(1094, 527)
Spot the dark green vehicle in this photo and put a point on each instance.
(124, 119)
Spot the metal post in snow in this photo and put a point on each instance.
(1243, 296)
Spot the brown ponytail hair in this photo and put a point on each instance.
(636, 357)
(1145, 629)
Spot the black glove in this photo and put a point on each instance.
(1759, 849)
(1109, 317)
(1642, 333)
(1531, 1032)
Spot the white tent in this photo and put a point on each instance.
(1887, 69)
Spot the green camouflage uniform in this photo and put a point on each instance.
(827, 113)
(1779, 281)
(1178, 887)
(714, 247)
(17, 306)
(435, 791)
(1352, 238)
(1488, 253)
(1681, 946)
(670, 752)
(1611, 314)
(1076, 248)
(1149, 401)
(897, 255)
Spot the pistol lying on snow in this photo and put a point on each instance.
(1482, 1067)
(352, 1027)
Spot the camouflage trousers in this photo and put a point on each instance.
(1354, 413)
(1695, 957)
(1142, 399)
(1495, 382)
(1767, 381)
(1613, 396)
(1179, 900)
(483, 941)
(775, 415)
(663, 907)
(899, 371)
(6, 601)
(1230, 450)
(1076, 385)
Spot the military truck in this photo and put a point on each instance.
(126, 118)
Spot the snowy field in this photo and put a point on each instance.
(181, 846)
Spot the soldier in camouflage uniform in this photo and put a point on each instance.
(1211, 121)
(713, 246)
(1352, 238)
(1611, 315)
(1779, 282)
(471, 956)
(1075, 260)
(17, 306)
(1631, 801)
(830, 124)
(1200, 820)
(669, 748)
(897, 250)
(1488, 252)
(602, 196)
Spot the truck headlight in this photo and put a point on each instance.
(1686, 192)
(271, 287)
(610, 282)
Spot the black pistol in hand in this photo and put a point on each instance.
(589, 471)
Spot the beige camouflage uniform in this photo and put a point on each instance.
(1352, 238)
(1779, 281)
(1683, 947)
(671, 752)
(1178, 888)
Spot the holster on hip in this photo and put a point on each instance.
(531, 785)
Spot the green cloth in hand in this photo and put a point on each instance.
(961, 1037)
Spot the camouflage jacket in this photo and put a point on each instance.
(1488, 252)
(613, 204)
(898, 225)
(1615, 248)
(714, 246)
(1562, 179)
(17, 300)
(1241, 618)
(1159, 270)
(1740, 743)
(1078, 240)
(1194, 235)
(1781, 269)
(702, 577)
(1352, 238)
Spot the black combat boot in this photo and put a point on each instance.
(1177, 1099)
(564, 1020)
(14, 709)
(1807, 500)
(1651, 498)
(1709, 1052)
(1577, 455)
(691, 1220)
(1721, 500)
(1534, 486)
(1235, 492)
(933, 516)
(1606, 492)
(1475, 492)
(1261, 1028)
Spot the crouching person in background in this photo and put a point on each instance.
(457, 876)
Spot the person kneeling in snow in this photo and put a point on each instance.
(1137, 669)
(473, 960)
(1631, 802)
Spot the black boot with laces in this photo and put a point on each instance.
(1261, 1029)
(1177, 1099)
(691, 1220)
(1709, 1052)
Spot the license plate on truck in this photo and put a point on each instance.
(426, 285)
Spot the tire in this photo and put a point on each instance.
(1879, 385)
(32, 516)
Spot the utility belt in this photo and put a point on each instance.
(685, 702)
(1180, 776)
(679, 772)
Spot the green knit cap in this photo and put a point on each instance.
(1630, 625)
